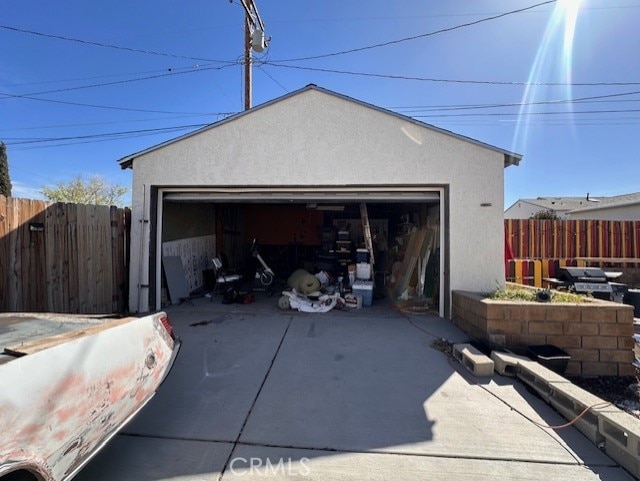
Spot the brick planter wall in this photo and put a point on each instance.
(597, 334)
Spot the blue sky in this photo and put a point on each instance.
(176, 67)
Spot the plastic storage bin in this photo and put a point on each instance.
(550, 356)
(365, 289)
(363, 271)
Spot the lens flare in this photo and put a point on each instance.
(552, 63)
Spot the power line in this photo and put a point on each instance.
(106, 45)
(459, 81)
(521, 114)
(103, 135)
(116, 82)
(97, 106)
(86, 124)
(169, 69)
(580, 100)
(22, 141)
(415, 37)
(272, 78)
(413, 17)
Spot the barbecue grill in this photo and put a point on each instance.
(584, 279)
(590, 280)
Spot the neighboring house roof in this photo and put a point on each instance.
(510, 158)
(610, 202)
(568, 205)
(561, 204)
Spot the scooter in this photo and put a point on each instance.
(264, 275)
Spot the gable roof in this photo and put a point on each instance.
(560, 204)
(510, 158)
(610, 202)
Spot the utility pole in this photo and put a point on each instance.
(255, 39)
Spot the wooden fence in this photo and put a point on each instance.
(67, 258)
(574, 239)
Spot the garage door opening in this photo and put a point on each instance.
(324, 235)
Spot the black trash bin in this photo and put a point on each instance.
(550, 356)
(632, 297)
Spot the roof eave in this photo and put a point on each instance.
(511, 159)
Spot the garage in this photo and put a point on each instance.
(319, 230)
(307, 175)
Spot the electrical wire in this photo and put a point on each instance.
(272, 78)
(85, 124)
(168, 69)
(106, 45)
(424, 35)
(109, 134)
(116, 82)
(459, 81)
(580, 100)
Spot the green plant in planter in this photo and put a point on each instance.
(531, 295)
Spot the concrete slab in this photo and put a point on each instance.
(271, 463)
(129, 458)
(362, 394)
(222, 363)
(375, 384)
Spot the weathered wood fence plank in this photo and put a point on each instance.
(63, 257)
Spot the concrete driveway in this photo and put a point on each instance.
(259, 393)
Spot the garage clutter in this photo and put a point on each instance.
(319, 293)
(323, 256)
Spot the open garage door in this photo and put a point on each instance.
(316, 229)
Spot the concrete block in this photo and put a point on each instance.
(506, 363)
(619, 329)
(471, 358)
(580, 354)
(626, 369)
(615, 355)
(625, 313)
(571, 400)
(564, 314)
(581, 329)
(538, 377)
(590, 368)
(545, 327)
(622, 433)
(626, 343)
(565, 341)
(599, 314)
(600, 342)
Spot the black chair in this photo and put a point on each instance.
(222, 278)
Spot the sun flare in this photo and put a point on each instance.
(552, 63)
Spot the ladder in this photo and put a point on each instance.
(366, 230)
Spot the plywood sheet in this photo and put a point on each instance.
(176, 278)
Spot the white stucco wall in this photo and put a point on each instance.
(521, 210)
(315, 138)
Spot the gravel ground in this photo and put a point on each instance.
(623, 391)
